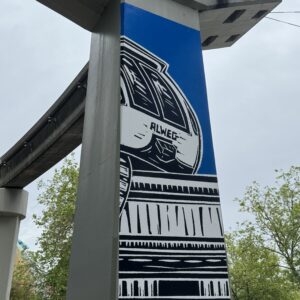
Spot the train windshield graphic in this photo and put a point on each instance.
(160, 129)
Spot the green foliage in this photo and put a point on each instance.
(276, 210)
(58, 197)
(23, 284)
(264, 256)
(255, 271)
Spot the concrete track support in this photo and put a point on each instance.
(94, 258)
(13, 205)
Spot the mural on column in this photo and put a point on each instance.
(171, 232)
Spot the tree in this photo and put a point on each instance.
(255, 271)
(276, 210)
(23, 284)
(58, 197)
(264, 257)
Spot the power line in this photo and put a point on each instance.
(285, 12)
(280, 21)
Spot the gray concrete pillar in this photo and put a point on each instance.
(94, 258)
(13, 205)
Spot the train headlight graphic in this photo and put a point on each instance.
(159, 128)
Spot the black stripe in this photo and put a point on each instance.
(209, 210)
(220, 222)
(170, 239)
(183, 197)
(185, 225)
(168, 218)
(148, 219)
(139, 229)
(193, 220)
(160, 275)
(128, 217)
(159, 219)
(201, 219)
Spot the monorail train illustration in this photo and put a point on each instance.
(159, 125)
(159, 129)
(171, 243)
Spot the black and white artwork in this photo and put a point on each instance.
(171, 231)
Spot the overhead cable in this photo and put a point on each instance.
(280, 21)
(285, 12)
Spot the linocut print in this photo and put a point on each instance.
(171, 231)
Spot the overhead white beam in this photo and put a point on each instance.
(215, 31)
(85, 13)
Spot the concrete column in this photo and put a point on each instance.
(94, 257)
(13, 205)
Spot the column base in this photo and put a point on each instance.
(13, 205)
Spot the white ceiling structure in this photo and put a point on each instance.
(223, 22)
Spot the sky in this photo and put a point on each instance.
(253, 93)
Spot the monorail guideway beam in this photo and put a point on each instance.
(54, 136)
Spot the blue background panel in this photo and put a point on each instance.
(180, 47)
